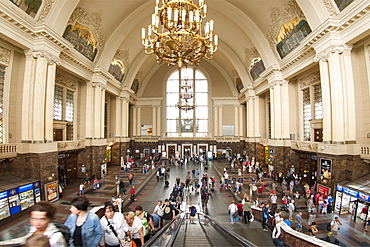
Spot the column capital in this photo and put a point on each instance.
(43, 54)
(335, 49)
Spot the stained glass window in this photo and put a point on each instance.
(189, 123)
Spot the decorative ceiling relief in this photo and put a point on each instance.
(4, 56)
(288, 27)
(46, 9)
(329, 7)
(309, 80)
(84, 30)
(136, 83)
(119, 65)
(254, 62)
(65, 81)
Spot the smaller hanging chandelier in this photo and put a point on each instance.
(186, 96)
(180, 40)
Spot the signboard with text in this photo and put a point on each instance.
(326, 168)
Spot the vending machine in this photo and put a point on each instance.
(14, 202)
(4, 205)
(26, 196)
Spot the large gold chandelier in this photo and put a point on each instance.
(186, 96)
(180, 39)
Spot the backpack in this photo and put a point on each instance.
(327, 226)
(64, 230)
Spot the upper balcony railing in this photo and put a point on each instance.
(8, 151)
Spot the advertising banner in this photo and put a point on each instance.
(51, 191)
(326, 168)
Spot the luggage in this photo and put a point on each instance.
(259, 190)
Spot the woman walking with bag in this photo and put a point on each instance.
(113, 226)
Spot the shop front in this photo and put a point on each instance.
(350, 201)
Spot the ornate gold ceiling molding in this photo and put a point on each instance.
(124, 57)
(280, 15)
(92, 20)
(4, 56)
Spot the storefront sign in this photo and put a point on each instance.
(51, 191)
(164, 155)
(323, 189)
(364, 197)
(326, 168)
(350, 192)
(339, 188)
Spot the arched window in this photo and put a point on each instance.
(191, 123)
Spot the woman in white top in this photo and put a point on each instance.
(136, 228)
(112, 221)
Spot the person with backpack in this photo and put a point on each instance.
(41, 216)
(146, 221)
(113, 226)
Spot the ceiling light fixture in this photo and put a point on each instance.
(180, 39)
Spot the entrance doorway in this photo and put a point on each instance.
(308, 168)
(171, 149)
(186, 150)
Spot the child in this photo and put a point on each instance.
(132, 192)
(324, 209)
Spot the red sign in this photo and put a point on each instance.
(323, 189)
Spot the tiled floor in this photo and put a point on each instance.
(150, 191)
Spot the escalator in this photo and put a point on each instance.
(203, 232)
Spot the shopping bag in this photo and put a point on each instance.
(252, 218)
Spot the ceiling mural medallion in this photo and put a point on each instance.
(282, 19)
(254, 63)
(89, 26)
(119, 65)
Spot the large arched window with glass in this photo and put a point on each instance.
(190, 123)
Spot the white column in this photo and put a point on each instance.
(349, 95)
(134, 120)
(241, 121)
(96, 111)
(337, 100)
(49, 101)
(250, 116)
(236, 120)
(285, 116)
(89, 110)
(256, 117)
(154, 120)
(118, 123)
(38, 117)
(277, 110)
(220, 121)
(26, 99)
(159, 117)
(138, 128)
(215, 121)
(102, 113)
(124, 117)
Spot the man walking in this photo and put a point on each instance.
(312, 214)
(232, 209)
(265, 216)
(247, 210)
(334, 228)
(291, 209)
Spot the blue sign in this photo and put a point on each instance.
(3, 194)
(36, 184)
(363, 196)
(25, 188)
(339, 188)
(350, 192)
(15, 210)
(13, 192)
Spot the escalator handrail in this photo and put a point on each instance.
(235, 236)
(153, 239)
